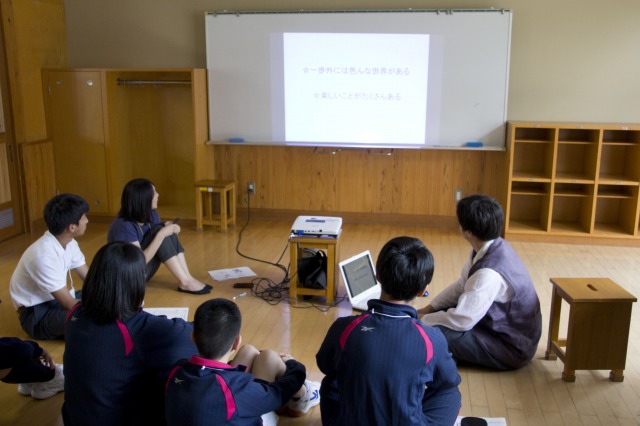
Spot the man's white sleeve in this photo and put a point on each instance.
(479, 293)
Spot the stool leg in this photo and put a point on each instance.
(554, 325)
(198, 209)
(293, 269)
(569, 375)
(616, 375)
(223, 210)
(232, 205)
(331, 273)
(208, 207)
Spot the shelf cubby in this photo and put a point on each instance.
(529, 208)
(531, 161)
(573, 190)
(624, 136)
(616, 210)
(534, 134)
(530, 188)
(576, 161)
(532, 153)
(617, 191)
(572, 210)
(619, 162)
(578, 135)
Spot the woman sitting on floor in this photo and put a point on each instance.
(138, 223)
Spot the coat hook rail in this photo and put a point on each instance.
(154, 83)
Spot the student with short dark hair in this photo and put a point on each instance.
(118, 357)
(213, 388)
(216, 326)
(491, 315)
(38, 286)
(138, 223)
(384, 367)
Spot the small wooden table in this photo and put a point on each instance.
(330, 247)
(224, 192)
(598, 330)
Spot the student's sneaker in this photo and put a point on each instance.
(25, 389)
(44, 390)
(310, 399)
(269, 419)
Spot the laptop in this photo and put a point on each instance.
(359, 276)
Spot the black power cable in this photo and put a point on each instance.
(275, 292)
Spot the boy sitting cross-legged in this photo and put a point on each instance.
(385, 367)
(218, 388)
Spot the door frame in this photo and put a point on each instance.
(13, 157)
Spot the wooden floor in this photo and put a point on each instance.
(534, 395)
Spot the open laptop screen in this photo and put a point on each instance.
(359, 274)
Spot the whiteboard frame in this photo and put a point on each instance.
(477, 111)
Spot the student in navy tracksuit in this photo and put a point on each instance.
(385, 367)
(117, 357)
(213, 389)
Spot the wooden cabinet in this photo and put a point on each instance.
(573, 181)
(113, 125)
(78, 127)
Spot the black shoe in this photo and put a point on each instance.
(205, 290)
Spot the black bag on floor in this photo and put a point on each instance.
(312, 269)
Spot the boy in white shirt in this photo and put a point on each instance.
(38, 287)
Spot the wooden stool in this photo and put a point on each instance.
(598, 331)
(328, 245)
(225, 191)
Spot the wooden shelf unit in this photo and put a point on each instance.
(579, 181)
(112, 125)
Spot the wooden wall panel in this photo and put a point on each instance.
(77, 123)
(39, 175)
(120, 167)
(36, 37)
(176, 118)
(407, 182)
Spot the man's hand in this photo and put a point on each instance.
(426, 310)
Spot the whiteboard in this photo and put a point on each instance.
(389, 79)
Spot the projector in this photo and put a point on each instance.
(317, 226)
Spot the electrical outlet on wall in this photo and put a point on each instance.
(251, 188)
(457, 195)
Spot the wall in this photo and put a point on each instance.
(570, 61)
